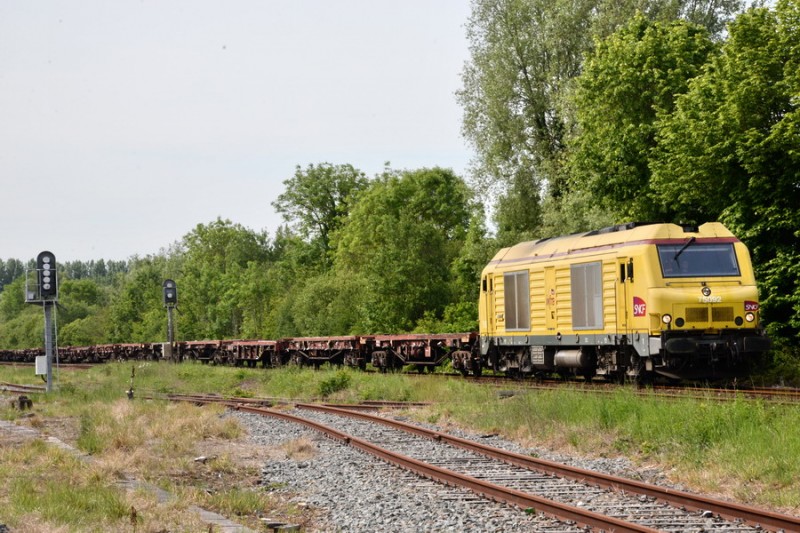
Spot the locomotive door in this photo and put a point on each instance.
(624, 280)
(488, 285)
(550, 298)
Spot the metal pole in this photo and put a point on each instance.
(170, 330)
(48, 342)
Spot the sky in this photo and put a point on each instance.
(125, 124)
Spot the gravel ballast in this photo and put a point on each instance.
(353, 491)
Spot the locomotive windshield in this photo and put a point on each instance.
(691, 260)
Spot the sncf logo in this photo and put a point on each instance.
(639, 307)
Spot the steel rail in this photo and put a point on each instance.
(13, 387)
(728, 510)
(485, 489)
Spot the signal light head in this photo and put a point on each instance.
(46, 268)
(170, 292)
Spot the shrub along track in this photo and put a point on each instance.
(620, 504)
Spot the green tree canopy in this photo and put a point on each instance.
(316, 199)
(215, 258)
(631, 80)
(10, 270)
(137, 312)
(524, 55)
(402, 236)
(83, 312)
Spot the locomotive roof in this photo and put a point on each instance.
(622, 234)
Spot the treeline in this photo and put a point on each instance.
(582, 114)
(396, 252)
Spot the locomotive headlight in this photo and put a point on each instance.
(666, 319)
(749, 317)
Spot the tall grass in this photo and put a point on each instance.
(55, 489)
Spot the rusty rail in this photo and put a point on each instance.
(728, 510)
(488, 490)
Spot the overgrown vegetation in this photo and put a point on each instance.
(748, 450)
(157, 442)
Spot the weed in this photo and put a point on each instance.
(300, 449)
(88, 439)
(239, 393)
(335, 383)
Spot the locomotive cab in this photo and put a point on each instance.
(704, 318)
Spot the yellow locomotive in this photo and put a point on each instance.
(633, 300)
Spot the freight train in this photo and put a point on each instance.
(629, 302)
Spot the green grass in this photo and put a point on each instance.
(57, 489)
(749, 450)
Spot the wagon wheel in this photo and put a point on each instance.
(477, 368)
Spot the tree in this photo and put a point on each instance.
(330, 304)
(523, 56)
(523, 52)
(215, 257)
(137, 313)
(628, 83)
(21, 325)
(83, 313)
(10, 270)
(730, 152)
(402, 236)
(473, 255)
(317, 199)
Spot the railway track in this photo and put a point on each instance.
(20, 389)
(589, 499)
(772, 394)
(788, 395)
(657, 507)
(63, 366)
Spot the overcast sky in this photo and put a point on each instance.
(125, 124)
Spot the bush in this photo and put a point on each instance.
(338, 381)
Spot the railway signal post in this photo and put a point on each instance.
(170, 302)
(44, 290)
